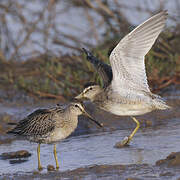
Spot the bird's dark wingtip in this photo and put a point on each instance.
(84, 50)
(88, 53)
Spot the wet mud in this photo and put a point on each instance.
(89, 152)
(106, 172)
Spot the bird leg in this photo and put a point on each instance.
(55, 157)
(38, 154)
(127, 140)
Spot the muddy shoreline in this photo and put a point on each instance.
(90, 154)
(128, 172)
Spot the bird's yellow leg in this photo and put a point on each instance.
(136, 129)
(38, 154)
(55, 157)
(127, 140)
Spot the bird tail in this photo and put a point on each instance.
(161, 104)
(12, 130)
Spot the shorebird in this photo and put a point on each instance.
(126, 91)
(50, 125)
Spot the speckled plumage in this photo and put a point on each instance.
(43, 125)
(49, 125)
(128, 93)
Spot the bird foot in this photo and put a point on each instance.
(40, 168)
(124, 143)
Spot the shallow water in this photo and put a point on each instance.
(148, 146)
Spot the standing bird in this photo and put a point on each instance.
(126, 91)
(50, 125)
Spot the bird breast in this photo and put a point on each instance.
(64, 128)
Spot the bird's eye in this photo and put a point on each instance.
(76, 105)
(90, 88)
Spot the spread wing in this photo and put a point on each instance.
(104, 70)
(40, 122)
(127, 58)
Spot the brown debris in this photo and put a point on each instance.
(50, 167)
(172, 160)
(16, 154)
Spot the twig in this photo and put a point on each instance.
(48, 95)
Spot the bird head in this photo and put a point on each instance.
(78, 108)
(89, 92)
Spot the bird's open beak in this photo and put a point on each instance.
(93, 120)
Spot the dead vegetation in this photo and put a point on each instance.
(33, 44)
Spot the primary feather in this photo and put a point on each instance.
(127, 58)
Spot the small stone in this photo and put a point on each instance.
(50, 167)
(16, 154)
(119, 145)
(160, 162)
(171, 156)
(171, 160)
(174, 159)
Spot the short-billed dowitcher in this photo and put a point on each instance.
(126, 91)
(50, 125)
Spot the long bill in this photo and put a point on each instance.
(80, 96)
(93, 120)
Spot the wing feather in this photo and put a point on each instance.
(103, 69)
(40, 122)
(127, 58)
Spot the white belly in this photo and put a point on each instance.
(61, 133)
(128, 109)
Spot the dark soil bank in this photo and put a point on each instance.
(106, 172)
